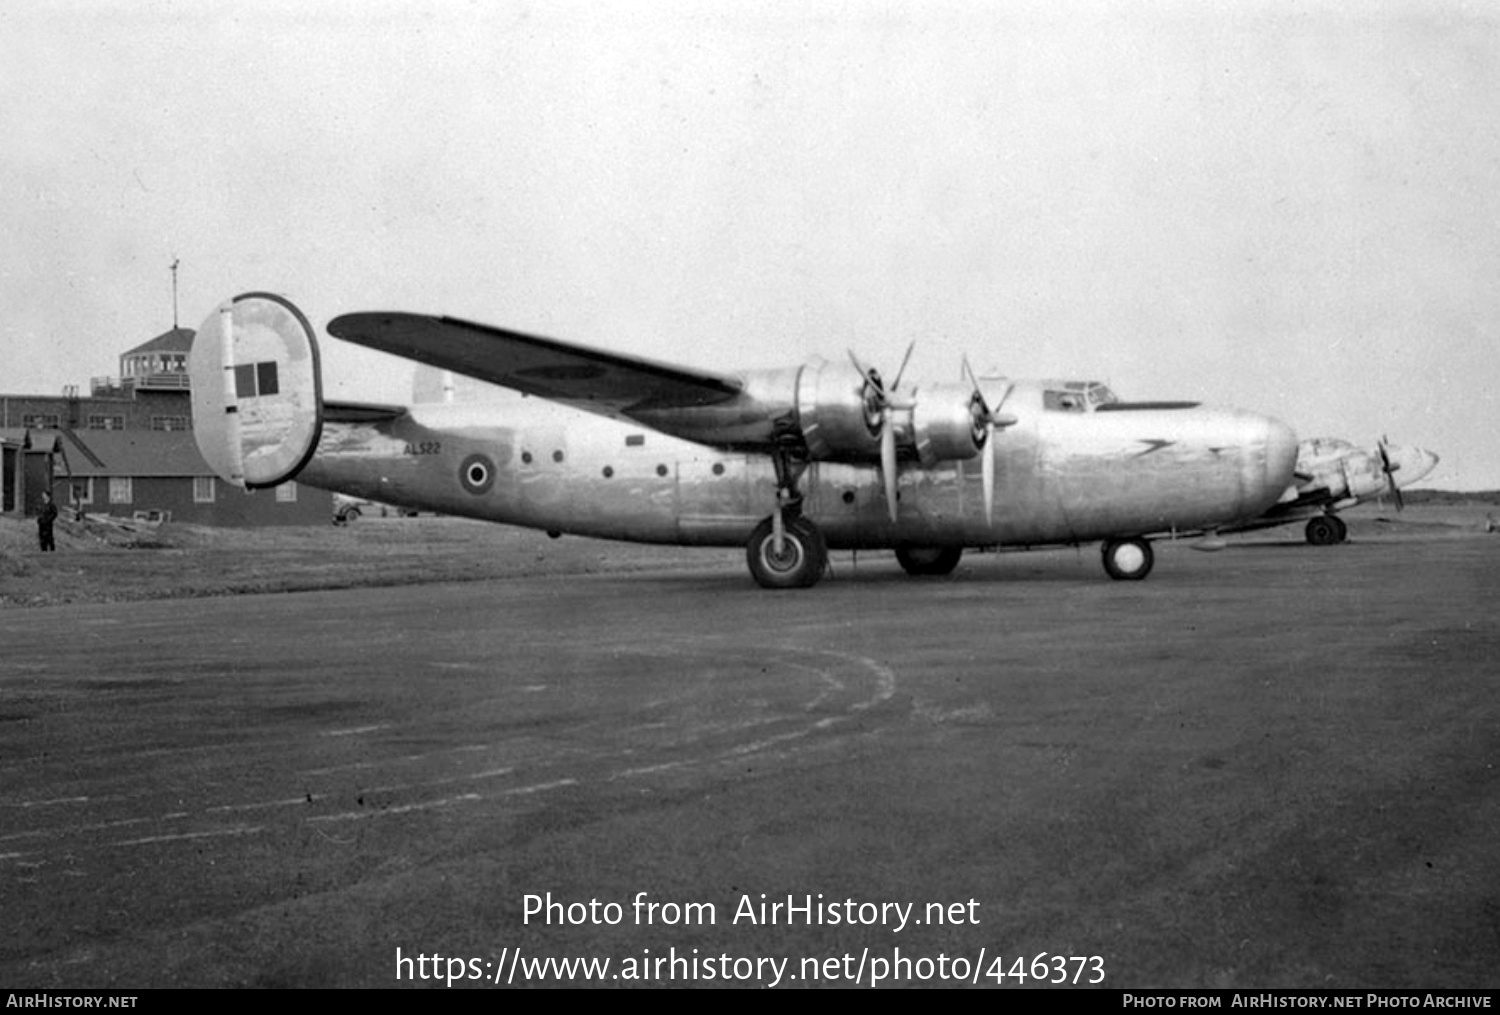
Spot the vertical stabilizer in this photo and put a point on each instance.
(257, 390)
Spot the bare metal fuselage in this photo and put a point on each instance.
(1060, 477)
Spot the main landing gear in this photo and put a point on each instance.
(1326, 530)
(786, 551)
(928, 561)
(797, 563)
(1128, 560)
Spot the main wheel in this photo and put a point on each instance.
(928, 560)
(1128, 559)
(1323, 530)
(802, 559)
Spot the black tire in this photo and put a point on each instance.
(801, 563)
(1128, 560)
(925, 561)
(1323, 530)
(1343, 530)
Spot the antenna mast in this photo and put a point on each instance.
(175, 263)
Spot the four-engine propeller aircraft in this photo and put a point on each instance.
(787, 462)
(1334, 474)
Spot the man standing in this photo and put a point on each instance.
(44, 519)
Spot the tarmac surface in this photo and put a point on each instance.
(1273, 766)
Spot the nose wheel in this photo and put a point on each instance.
(1128, 560)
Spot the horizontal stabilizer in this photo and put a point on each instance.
(257, 390)
(361, 412)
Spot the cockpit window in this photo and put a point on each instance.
(1064, 401)
(1099, 394)
(1078, 396)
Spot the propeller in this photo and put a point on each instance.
(990, 419)
(880, 410)
(1390, 469)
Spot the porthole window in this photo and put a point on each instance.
(848, 496)
(718, 468)
(661, 470)
(526, 457)
(557, 456)
(609, 471)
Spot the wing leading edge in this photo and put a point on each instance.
(602, 382)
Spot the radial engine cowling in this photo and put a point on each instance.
(836, 413)
(947, 423)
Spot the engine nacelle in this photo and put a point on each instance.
(1364, 477)
(947, 423)
(835, 413)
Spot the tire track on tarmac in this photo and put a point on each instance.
(808, 697)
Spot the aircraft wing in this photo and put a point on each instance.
(603, 382)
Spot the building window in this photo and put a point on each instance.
(83, 490)
(119, 490)
(203, 489)
(39, 421)
(170, 423)
(286, 493)
(106, 422)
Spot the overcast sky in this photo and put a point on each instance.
(1290, 207)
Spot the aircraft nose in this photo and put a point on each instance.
(1420, 464)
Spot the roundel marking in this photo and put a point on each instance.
(477, 474)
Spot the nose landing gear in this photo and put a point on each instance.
(1128, 559)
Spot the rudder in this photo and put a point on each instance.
(257, 390)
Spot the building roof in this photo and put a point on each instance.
(176, 340)
(136, 453)
(31, 439)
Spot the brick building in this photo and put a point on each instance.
(126, 449)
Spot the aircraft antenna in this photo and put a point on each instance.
(175, 263)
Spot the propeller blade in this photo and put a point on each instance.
(904, 360)
(988, 473)
(993, 419)
(888, 463)
(1390, 477)
(869, 375)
